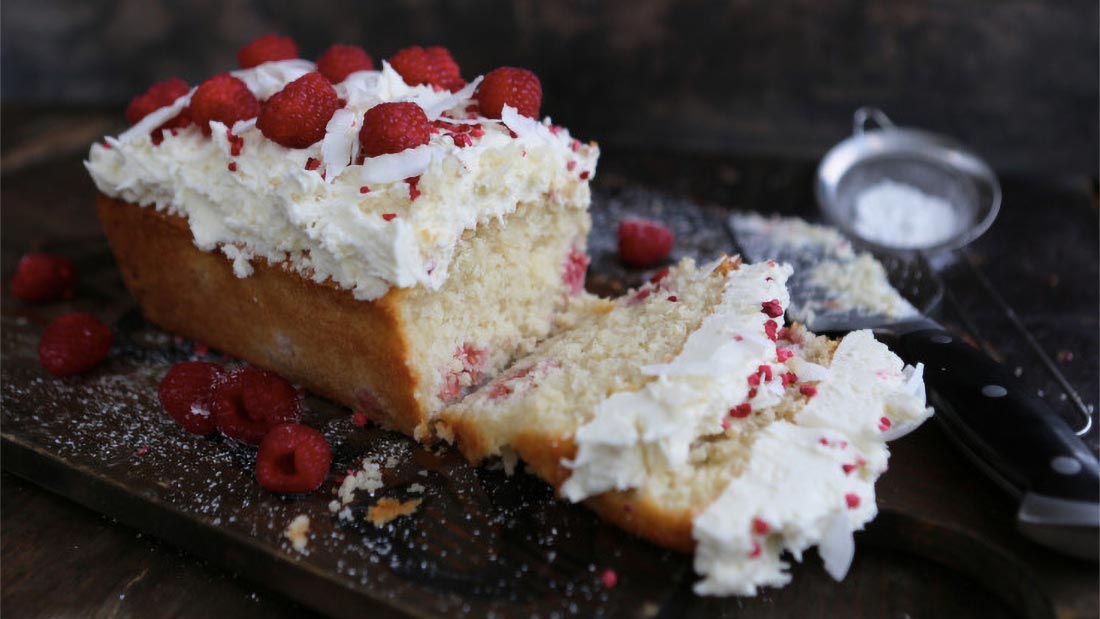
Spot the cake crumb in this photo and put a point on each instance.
(387, 510)
(298, 533)
(368, 478)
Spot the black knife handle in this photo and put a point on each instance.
(1001, 420)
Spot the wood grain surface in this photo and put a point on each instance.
(944, 544)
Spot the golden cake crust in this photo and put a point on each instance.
(544, 452)
(317, 335)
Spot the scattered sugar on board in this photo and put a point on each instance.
(900, 215)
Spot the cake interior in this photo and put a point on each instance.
(509, 281)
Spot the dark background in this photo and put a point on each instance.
(1015, 79)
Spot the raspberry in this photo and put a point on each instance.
(293, 459)
(741, 411)
(394, 127)
(339, 61)
(772, 308)
(73, 344)
(43, 277)
(518, 88)
(223, 98)
(159, 95)
(186, 391)
(296, 116)
(251, 401)
(433, 66)
(643, 243)
(266, 49)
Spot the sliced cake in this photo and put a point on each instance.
(686, 413)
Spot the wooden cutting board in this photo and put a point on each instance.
(482, 543)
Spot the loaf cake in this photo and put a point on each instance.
(260, 214)
(686, 413)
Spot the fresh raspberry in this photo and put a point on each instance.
(73, 344)
(643, 242)
(741, 410)
(43, 277)
(394, 127)
(296, 116)
(339, 61)
(223, 98)
(159, 95)
(433, 66)
(266, 49)
(250, 401)
(186, 391)
(293, 459)
(518, 88)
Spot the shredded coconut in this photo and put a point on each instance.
(368, 478)
(899, 215)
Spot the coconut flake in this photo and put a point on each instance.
(434, 109)
(837, 547)
(270, 77)
(338, 146)
(522, 125)
(361, 89)
(397, 166)
(156, 118)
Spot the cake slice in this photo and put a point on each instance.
(387, 269)
(685, 413)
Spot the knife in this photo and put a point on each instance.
(1007, 430)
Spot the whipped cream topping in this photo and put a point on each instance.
(690, 396)
(327, 223)
(812, 481)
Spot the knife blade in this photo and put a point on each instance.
(1009, 432)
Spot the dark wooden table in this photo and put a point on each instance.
(1026, 292)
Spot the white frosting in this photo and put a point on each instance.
(795, 480)
(690, 396)
(271, 207)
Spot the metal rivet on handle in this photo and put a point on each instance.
(994, 391)
(1065, 465)
(941, 338)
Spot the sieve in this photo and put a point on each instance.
(934, 164)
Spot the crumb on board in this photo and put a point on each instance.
(368, 477)
(386, 510)
(416, 488)
(298, 532)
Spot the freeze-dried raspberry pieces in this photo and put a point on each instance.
(73, 344)
(393, 127)
(433, 66)
(340, 61)
(159, 95)
(186, 392)
(250, 401)
(518, 88)
(43, 277)
(225, 99)
(643, 242)
(267, 48)
(296, 116)
(293, 459)
(576, 267)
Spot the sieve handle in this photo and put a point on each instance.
(863, 114)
